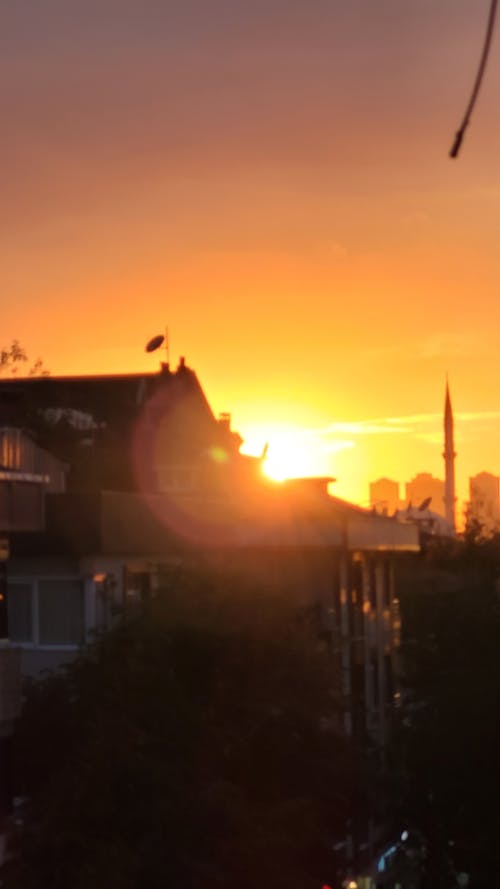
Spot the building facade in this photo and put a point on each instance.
(484, 502)
(424, 487)
(152, 476)
(384, 496)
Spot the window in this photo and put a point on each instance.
(357, 582)
(389, 677)
(387, 584)
(60, 612)
(372, 584)
(20, 610)
(375, 681)
(46, 612)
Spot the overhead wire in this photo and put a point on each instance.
(477, 83)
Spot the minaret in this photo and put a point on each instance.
(449, 461)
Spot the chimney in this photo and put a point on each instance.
(225, 421)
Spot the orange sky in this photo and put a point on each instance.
(271, 180)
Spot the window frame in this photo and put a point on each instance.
(35, 612)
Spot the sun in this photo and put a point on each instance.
(290, 455)
(291, 452)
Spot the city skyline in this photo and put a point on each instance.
(272, 183)
(294, 451)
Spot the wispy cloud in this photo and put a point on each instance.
(414, 419)
(376, 426)
(334, 438)
(423, 425)
(433, 438)
(333, 447)
(474, 416)
(365, 427)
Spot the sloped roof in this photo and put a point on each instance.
(111, 399)
(94, 422)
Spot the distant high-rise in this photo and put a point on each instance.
(484, 504)
(384, 496)
(449, 461)
(423, 487)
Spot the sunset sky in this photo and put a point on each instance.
(271, 180)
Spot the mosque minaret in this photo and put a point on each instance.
(449, 461)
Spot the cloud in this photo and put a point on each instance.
(409, 424)
(364, 427)
(433, 438)
(474, 416)
(333, 447)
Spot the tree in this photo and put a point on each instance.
(447, 745)
(13, 358)
(190, 747)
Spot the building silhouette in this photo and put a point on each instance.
(151, 480)
(484, 502)
(141, 490)
(449, 461)
(384, 496)
(429, 502)
(424, 486)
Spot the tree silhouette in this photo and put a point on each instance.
(447, 781)
(190, 748)
(13, 359)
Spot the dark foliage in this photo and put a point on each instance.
(191, 747)
(13, 359)
(445, 753)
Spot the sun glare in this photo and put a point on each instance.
(291, 452)
(289, 457)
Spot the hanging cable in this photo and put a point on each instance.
(479, 77)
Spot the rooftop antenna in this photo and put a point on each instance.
(157, 341)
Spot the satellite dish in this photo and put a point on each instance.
(425, 504)
(155, 343)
